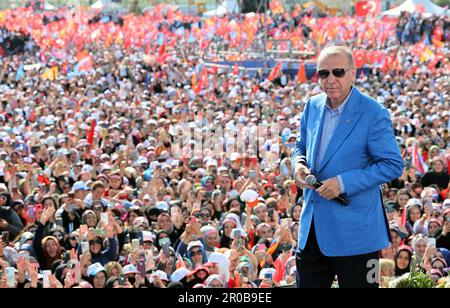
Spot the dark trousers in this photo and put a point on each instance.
(314, 270)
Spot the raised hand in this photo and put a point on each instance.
(109, 231)
(46, 215)
(33, 273)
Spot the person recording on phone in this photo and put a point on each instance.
(347, 143)
(443, 240)
(9, 220)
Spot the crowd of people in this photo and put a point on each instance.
(129, 166)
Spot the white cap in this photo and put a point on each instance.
(162, 275)
(194, 244)
(141, 160)
(414, 201)
(80, 185)
(234, 156)
(94, 269)
(179, 274)
(87, 169)
(147, 236)
(446, 203)
(222, 169)
(162, 205)
(211, 163)
(130, 269)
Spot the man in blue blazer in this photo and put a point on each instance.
(347, 142)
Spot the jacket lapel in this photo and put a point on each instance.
(349, 117)
(318, 124)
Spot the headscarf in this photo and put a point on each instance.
(207, 230)
(199, 245)
(245, 263)
(84, 216)
(8, 199)
(213, 277)
(49, 260)
(204, 179)
(398, 271)
(170, 219)
(408, 213)
(222, 263)
(158, 236)
(446, 254)
(235, 218)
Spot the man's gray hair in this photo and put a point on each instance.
(336, 51)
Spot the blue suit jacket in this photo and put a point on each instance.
(364, 152)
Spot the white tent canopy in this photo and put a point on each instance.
(412, 6)
(228, 6)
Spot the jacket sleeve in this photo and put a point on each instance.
(443, 241)
(38, 236)
(110, 253)
(15, 225)
(182, 248)
(386, 160)
(298, 155)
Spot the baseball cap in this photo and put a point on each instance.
(147, 236)
(446, 204)
(162, 275)
(94, 269)
(87, 169)
(179, 274)
(130, 269)
(80, 185)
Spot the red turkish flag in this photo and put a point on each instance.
(368, 8)
(273, 74)
(360, 58)
(90, 137)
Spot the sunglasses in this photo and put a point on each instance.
(337, 72)
(195, 253)
(204, 215)
(74, 238)
(95, 242)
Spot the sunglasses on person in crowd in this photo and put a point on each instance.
(196, 252)
(98, 208)
(203, 215)
(97, 241)
(337, 72)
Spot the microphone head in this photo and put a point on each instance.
(310, 180)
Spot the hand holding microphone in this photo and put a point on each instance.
(301, 172)
(330, 189)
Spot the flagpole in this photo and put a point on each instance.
(266, 30)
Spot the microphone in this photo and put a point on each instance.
(312, 181)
